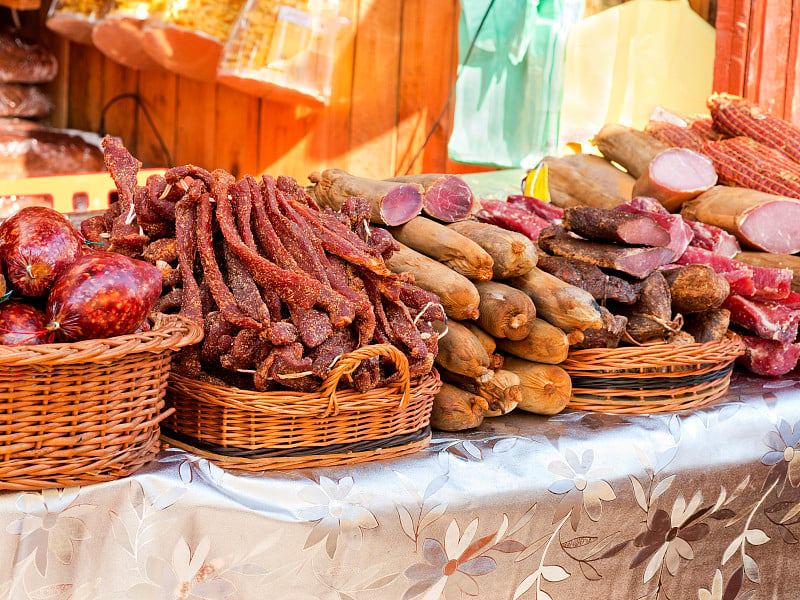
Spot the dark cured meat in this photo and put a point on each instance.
(186, 244)
(340, 241)
(170, 301)
(713, 238)
(218, 334)
(609, 225)
(244, 289)
(122, 167)
(607, 336)
(511, 217)
(161, 199)
(590, 278)
(638, 262)
(546, 210)
(767, 357)
(680, 233)
(293, 288)
(708, 326)
(219, 289)
(769, 320)
(313, 326)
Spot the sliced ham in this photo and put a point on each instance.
(769, 320)
(676, 175)
(713, 238)
(767, 357)
(680, 233)
(758, 220)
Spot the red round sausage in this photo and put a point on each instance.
(36, 245)
(22, 324)
(101, 295)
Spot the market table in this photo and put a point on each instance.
(579, 505)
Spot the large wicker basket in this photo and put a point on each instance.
(257, 431)
(651, 378)
(85, 412)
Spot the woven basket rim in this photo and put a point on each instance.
(629, 358)
(168, 332)
(324, 402)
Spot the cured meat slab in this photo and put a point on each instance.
(638, 262)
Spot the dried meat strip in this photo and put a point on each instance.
(219, 289)
(293, 288)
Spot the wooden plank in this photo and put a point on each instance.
(724, 45)
(738, 54)
(237, 124)
(319, 138)
(158, 92)
(85, 93)
(195, 123)
(121, 118)
(425, 85)
(755, 51)
(373, 114)
(791, 107)
(775, 55)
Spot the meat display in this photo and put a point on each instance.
(281, 287)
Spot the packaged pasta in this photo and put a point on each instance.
(75, 19)
(283, 50)
(187, 36)
(119, 35)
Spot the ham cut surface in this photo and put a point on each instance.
(680, 233)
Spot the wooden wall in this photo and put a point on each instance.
(394, 70)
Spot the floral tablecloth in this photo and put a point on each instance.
(704, 504)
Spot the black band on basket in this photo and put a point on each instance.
(362, 446)
(650, 383)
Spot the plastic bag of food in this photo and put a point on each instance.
(119, 35)
(283, 50)
(187, 36)
(75, 19)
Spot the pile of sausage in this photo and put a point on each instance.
(281, 288)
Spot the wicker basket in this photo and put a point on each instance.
(651, 378)
(85, 412)
(257, 431)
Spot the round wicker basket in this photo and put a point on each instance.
(257, 431)
(85, 412)
(651, 378)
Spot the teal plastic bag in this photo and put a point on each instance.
(508, 94)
